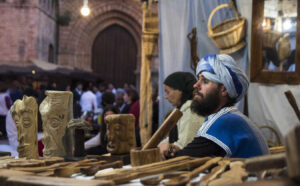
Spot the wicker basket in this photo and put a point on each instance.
(270, 38)
(227, 36)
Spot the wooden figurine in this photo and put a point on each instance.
(120, 133)
(56, 111)
(24, 113)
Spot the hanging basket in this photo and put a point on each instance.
(228, 35)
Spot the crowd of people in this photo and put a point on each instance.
(210, 125)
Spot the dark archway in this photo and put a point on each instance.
(114, 56)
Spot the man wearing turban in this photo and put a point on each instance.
(225, 131)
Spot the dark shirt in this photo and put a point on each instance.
(201, 147)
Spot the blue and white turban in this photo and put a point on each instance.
(223, 69)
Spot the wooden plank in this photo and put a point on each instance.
(292, 143)
(265, 162)
(164, 129)
(43, 181)
(6, 173)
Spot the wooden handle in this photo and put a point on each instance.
(164, 129)
(289, 95)
(95, 168)
(265, 162)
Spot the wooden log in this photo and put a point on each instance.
(265, 162)
(164, 129)
(142, 157)
(292, 143)
(40, 181)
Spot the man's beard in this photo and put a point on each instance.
(205, 106)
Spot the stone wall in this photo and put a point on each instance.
(26, 29)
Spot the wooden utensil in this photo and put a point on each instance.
(95, 168)
(155, 180)
(236, 174)
(164, 129)
(222, 165)
(185, 178)
(120, 176)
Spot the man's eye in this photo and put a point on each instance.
(205, 81)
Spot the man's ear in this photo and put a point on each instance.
(223, 91)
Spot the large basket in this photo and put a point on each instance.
(228, 36)
(270, 38)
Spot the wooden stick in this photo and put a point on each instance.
(94, 169)
(265, 162)
(289, 95)
(164, 129)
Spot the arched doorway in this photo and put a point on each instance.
(114, 56)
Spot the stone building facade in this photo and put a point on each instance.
(28, 31)
(54, 31)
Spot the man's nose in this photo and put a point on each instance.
(197, 85)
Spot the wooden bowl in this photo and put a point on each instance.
(142, 157)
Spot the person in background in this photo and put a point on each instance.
(111, 88)
(178, 88)
(98, 95)
(120, 100)
(97, 144)
(88, 100)
(131, 98)
(5, 104)
(76, 100)
(155, 108)
(226, 131)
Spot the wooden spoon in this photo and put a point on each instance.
(155, 180)
(185, 178)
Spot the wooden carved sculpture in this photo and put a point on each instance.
(56, 111)
(120, 133)
(24, 113)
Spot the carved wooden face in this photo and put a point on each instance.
(24, 113)
(28, 112)
(54, 112)
(120, 133)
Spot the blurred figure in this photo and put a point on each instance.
(98, 95)
(108, 99)
(5, 104)
(15, 92)
(120, 100)
(76, 100)
(97, 144)
(12, 133)
(111, 88)
(88, 101)
(131, 98)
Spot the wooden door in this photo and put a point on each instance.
(114, 56)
